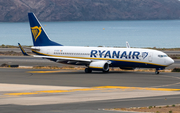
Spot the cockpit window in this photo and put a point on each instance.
(162, 56)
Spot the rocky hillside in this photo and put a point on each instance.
(85, 10)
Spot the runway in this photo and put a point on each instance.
(69, 91)
(81, 79)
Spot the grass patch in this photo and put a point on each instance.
(11, 46)
(176, 70)
(151, 109)
(174, 56)
(83, 68)
(165, 49)
(8, 46)
(4, 65)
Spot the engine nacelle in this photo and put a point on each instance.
(99, 66)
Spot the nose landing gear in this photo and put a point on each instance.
(157, 70)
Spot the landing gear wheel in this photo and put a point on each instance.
(157, 72)
(87, 70)
(106, 71)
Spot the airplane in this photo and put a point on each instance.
(94, 58)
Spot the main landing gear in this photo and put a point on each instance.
(106, 71)
(88, 70)
(157, 72)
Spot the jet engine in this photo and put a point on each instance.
(99, 66)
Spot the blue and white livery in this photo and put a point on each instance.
(95, 58)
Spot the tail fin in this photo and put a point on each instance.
(22, 50)
(39, 36)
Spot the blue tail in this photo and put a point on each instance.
(39, 36)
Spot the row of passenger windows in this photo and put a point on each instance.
(94, 54)
(72, 53)
(162, 56)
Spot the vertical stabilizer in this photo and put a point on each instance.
(39, 36)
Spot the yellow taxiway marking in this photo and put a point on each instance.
(91, 89)
(48, 71)
(136, 88)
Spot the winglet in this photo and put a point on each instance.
(127, 45)
(22, 50)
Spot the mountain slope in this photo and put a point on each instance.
(87, 10)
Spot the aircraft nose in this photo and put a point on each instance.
(169, 61)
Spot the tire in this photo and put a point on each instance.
(106, 71)
(87, 70)
(157, 72)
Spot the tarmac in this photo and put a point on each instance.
(66, 91)
(73, 91)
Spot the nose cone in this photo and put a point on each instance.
(169, 61)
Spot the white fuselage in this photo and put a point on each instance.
(119, 57)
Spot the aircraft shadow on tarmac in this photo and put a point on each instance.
(97, 73)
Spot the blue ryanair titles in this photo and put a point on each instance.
(118, 54)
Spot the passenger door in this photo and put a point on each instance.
(150, 58)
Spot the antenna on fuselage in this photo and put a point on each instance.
(127, 45)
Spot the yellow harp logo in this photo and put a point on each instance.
(36, 31)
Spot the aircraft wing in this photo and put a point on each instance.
(66, 60)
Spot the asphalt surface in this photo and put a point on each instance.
(77, 78)
(92, 107)
(80, 79)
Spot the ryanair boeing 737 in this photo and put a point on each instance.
(94, 58)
